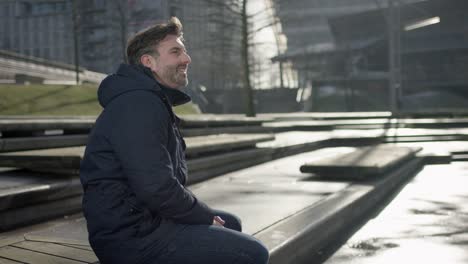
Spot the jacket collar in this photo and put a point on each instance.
(143, 74)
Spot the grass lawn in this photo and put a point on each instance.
(57, 100)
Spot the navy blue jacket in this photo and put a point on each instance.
(134, 171)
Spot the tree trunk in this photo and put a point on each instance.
(249, 108)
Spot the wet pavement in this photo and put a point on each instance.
(427, 222)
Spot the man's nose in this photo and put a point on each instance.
(186, 58)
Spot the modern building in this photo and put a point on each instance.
(305, 25)
(355, 72)
(37, 28)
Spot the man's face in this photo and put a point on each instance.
(170, 67)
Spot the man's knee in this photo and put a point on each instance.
(257, 253)
(262, 255)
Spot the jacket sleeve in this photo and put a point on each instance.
(139, 136)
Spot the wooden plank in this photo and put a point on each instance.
(78, 246)
(59, 250)
(362, 162)
(6, 240)
(7, 261)
(71, 232)
(28, 256)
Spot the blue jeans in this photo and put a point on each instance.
(208, 244)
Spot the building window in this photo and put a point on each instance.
(22, 8)
(99, 4)
(46, 8)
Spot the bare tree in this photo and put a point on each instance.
(250, 107)
(76, 39)
(238, 9)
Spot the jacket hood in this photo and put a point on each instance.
(135, 77)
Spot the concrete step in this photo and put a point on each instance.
(361, 163)
(376, 123)
(59, 159)
(360, 115)
(325, 115)
(27, 197)
(308, 214)
(195, 125)
(34, 213)
(193, 132)
(210, 120)
(20, 127)
(31, 141)
(441, 152)
(45, 184)
(41, 142)
(204, 168)
(42, 187)
(204, 145)
(21, 188)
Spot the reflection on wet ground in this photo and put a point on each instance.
(426, 223)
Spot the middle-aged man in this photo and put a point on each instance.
(134, 171)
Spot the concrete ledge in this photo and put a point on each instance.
(326, 115)
(207, 120)
(226, 163)
(34, 213)
(361, 163)
(303, 236)
(19, 188)
(201, 169)
(63, 159)
(223, 143)
(193, 132)
(44, 142)
(39, 124)
(378, 123)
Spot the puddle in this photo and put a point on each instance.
(373, 244)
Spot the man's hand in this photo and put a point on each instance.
(218, 221)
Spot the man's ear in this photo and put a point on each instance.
(148, 61)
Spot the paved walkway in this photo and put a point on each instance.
(426, 223)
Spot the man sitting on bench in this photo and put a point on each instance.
(137, 207)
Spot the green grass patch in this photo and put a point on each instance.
(57, 100)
